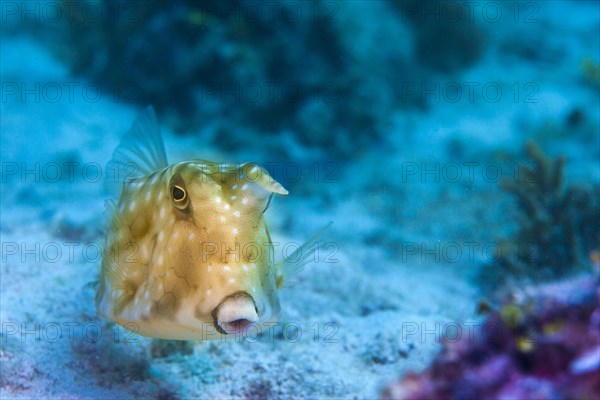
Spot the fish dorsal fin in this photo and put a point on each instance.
(140, 152)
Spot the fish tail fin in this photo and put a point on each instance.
(294, 263)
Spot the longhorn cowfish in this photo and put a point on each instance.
(188, 252)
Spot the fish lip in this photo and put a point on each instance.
(239, 325)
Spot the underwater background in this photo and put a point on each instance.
(455, 146)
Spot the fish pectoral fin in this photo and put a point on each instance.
(140, 152)
(115, 224)
(114, 218)
(294, 264)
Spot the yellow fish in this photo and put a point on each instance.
(188, 254)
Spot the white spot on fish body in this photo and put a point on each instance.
(226, 268)
(132, 205)
(245, 186)
(191, 236)
(145, 251)
(135, 314)
(245, 200)
(148, 195)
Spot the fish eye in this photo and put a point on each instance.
(178, 193)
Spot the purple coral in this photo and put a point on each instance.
(549, 349)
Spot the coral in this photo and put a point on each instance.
(218, 59)
(545, 345)
(557, 225)
(591, 72)
(443, 44)
(336, 89)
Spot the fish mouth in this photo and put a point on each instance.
(235, 314)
